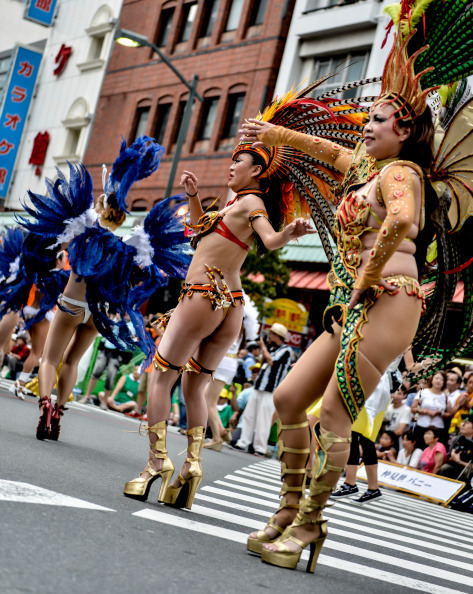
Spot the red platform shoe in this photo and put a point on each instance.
(44, 424)
(57, 413)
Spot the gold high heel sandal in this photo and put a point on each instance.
(139, 487)
(183, 495)
(284, 556)
(255, 544)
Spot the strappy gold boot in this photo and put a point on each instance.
(139, 487)
(183, 495)
(255, 543)
(319, 492)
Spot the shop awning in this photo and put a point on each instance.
(300, 279)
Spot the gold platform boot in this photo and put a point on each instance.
(183, 495)
(139, 487)
(255, 543)
(319, 491)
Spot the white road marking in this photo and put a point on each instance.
(25, 493)
(241, 538)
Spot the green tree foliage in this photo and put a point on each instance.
(276, 277)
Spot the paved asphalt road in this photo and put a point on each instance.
(66, 527)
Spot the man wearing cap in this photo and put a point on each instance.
(258, 414)
(254, 352)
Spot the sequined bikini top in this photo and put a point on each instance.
(212, 222)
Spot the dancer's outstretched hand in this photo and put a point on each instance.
(298, 228)
(189, 182)
(251, 128)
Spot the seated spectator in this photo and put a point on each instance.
(125, 392)
(18, 355)
(462, 407)
(409, 455)
(430, 404)
(388, 446)
(460, 455)
(223, 406)
(398, 415)
(435, 454)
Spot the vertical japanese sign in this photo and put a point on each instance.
(40, 11)
(17, 99)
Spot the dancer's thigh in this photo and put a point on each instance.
(81, 341)
(214, 347)
(389, 331)
(61, 330)
(192, 321)
(7, 325)
(307, 380)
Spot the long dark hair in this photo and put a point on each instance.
(272, 199)
(419, 148)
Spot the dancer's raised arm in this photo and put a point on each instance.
(268, 134)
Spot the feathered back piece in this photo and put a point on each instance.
(68, 202)
(305, 182)
(11, 242)
(135, 162)
(432, 47)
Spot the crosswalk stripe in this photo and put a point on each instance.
(386, 509)
(235, 536)
(347, 548)
(353, 534)
(229, 481)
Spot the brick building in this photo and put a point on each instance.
(234, 46)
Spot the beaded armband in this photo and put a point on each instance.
(255, 214)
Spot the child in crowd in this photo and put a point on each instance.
(409, 455)
(388, 446)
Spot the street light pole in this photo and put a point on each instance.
(181, 137)
(132, 39)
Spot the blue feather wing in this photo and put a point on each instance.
(165, 229)
(66, 200)
(106, 263)
(10, 249)
(135, 162)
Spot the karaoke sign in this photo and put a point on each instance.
(17, 99)
(40, 11)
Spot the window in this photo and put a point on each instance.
(210, 17)
(76, 123)
(258, 12)
(234, 15)
(141, 121)
(234, 114)
(100, 34)
(189, 11)
(209, 112)
(177, 122)
(95, 49)
(351, 67)
(4, 68)
(165, 27)
(164, 109)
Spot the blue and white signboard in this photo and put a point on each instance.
(17, 99)
(40, 11)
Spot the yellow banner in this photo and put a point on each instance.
(290, 313)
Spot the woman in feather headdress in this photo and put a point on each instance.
(208, 317)
(388, 216)
(110, 278)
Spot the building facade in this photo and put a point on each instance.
(234, 46)
(75, 48)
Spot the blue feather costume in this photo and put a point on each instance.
(120, 275)
(32, 263)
